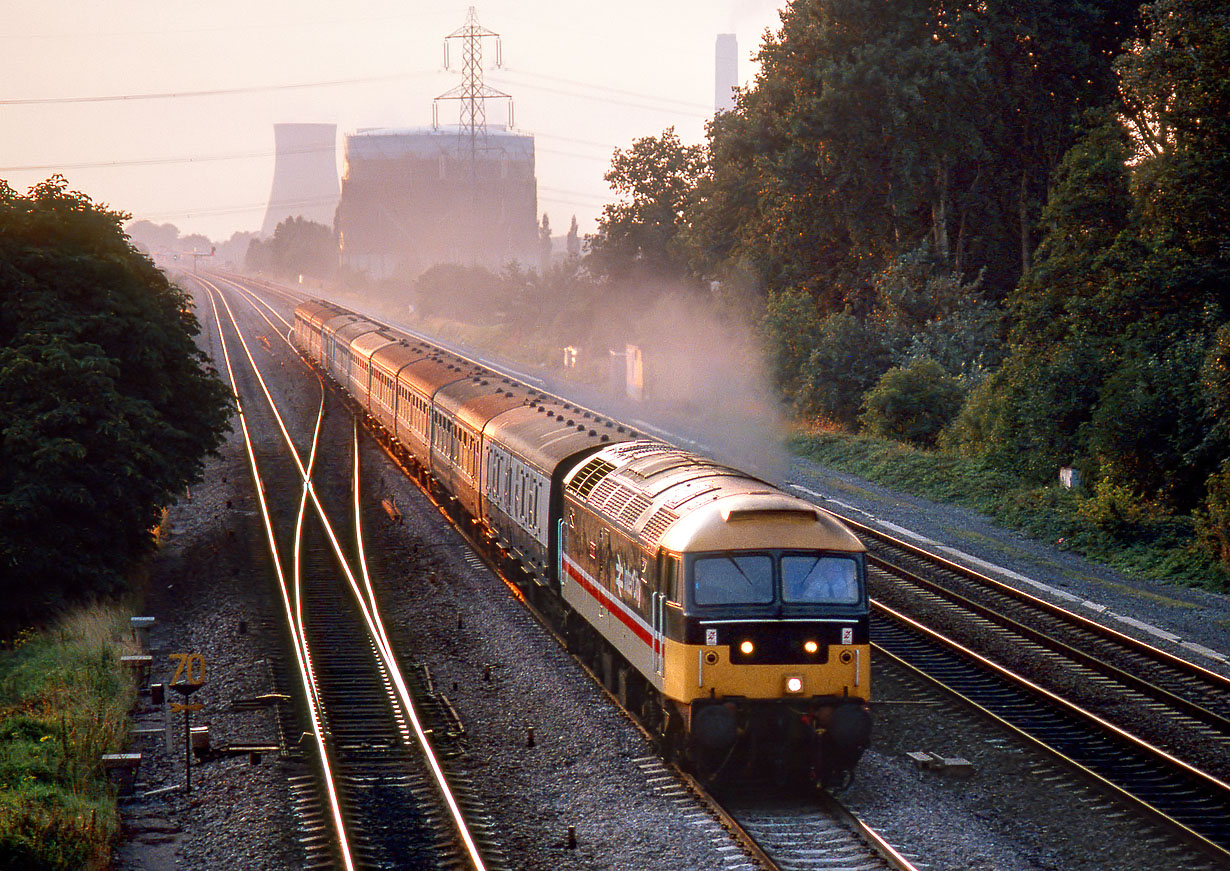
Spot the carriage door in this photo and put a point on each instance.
(668, 589)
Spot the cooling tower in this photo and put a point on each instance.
(726, 72)
(304, 175)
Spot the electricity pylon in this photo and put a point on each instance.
(472, 92)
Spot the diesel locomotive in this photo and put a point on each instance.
(731, 616)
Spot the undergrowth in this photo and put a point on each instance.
(64, 700)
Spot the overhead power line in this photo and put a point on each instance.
(216, 92)
(157, 161)
(693, 112)
(688, 105)
(227, 210)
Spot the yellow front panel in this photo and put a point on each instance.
(690, 676)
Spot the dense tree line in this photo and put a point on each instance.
(297, 247)
(998, 225)
(107, 408)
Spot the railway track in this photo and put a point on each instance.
(1152, 726)
(381, 797)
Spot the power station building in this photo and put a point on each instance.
(412, 198)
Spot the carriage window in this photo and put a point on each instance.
(743, 579)
(815, 578)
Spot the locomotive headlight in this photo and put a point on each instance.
(747, 648)
(794, 684)
(810, 647)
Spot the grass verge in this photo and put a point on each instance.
(64, 700)
(1103, 526)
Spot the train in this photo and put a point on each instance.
(730, 616)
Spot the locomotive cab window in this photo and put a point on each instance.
(820, 578)
(733, 579)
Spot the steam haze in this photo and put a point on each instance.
(704, 375)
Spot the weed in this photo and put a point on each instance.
(64, 700)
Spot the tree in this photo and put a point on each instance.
(846, 359)
(874, 126)
(544, 244)
(151, 236)
(639, 237)
(451, 290)
(107, 408)
(573, 243)
(298, 247)
(912, 403)
(1120, 313)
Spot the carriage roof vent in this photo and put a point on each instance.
(589, 475)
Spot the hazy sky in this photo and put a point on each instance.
(585, 78)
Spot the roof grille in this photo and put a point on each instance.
(603, 492)
(634, 509)
(632, 450)
(591, 473)
(658, 524)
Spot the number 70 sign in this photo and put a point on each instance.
(191, 670)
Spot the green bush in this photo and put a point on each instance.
(64, 700)
(848, 357)
(1117, 509)
(1213, 522)
(912, 403)
(1136, 538)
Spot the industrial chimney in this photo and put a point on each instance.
(726, 72)
(304, 175)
